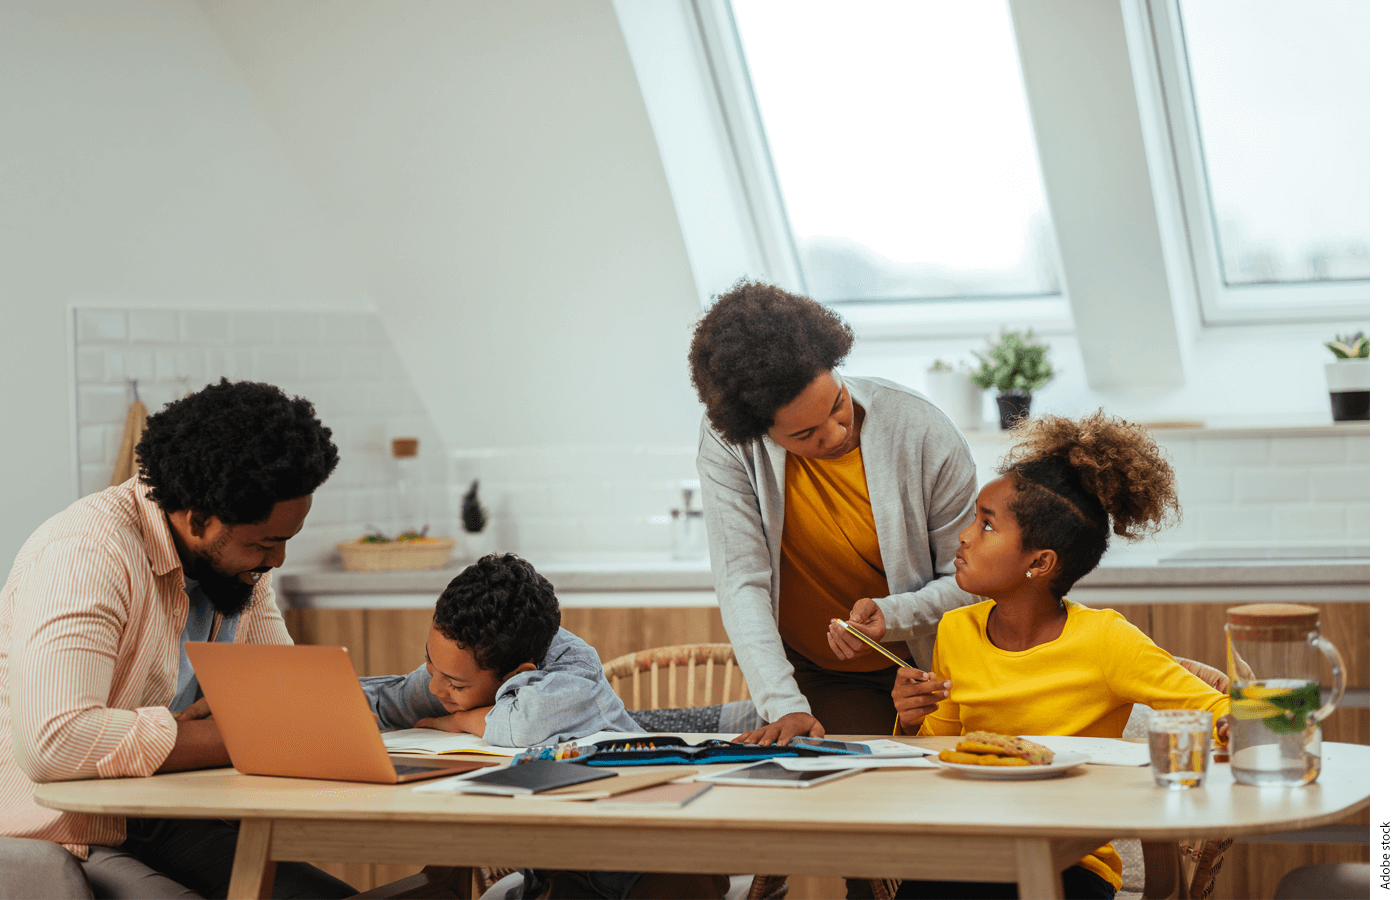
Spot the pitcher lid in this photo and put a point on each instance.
(1274, 615)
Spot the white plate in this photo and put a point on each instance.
(1062, 764)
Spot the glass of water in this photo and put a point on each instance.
(1179, 744)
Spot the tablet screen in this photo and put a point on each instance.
(770, 773)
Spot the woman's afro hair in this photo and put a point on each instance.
(501, 611)
(755, 350)
(233, 450)
(1078, 478)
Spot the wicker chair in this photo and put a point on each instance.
(646, 666)
(689, 657)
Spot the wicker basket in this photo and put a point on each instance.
(426, 553)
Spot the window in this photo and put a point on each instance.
(1268, 109)
(898, 137)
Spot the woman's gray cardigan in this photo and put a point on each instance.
(922, 484)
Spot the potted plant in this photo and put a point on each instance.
(1349, 377)
(951, 389)
(474, 518)
(1016, 366)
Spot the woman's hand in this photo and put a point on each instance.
(916, 694)
(866, 616)
(780, 732)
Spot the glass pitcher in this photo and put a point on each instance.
(1275, 693)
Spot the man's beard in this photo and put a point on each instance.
(226, 593)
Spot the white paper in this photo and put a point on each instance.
(844, 761)
(453, 785)
(432, 741)
(1102, 751)
(889, 749)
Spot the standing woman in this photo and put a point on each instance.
(826, 497)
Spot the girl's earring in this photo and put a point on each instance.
(1030, 574)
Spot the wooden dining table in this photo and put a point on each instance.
(926, 823)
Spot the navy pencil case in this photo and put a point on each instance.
(664, 750)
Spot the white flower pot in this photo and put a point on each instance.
(958, 397)
(476, 544)
(1349, 383)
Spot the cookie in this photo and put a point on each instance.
(1006, 745)
(979, 759)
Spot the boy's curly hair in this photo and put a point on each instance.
(1076, 477)
(501, 611)
(755, 350)
(233, 450)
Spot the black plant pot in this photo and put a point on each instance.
(1351, 406)
(1013, 406)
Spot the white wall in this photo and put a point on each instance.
(492, 167)
(339, 360)
(137, 170)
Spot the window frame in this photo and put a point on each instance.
(1219, 303)
(721, 46)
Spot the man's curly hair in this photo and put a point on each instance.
(501, 611)
(233, 450)
(1076, 477)
(755, 350)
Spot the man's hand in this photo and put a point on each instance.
(866, 616)
(199, 709)
(916, 694)
(198, 743)
(780, 732)
(471, 721)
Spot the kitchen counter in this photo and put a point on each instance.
(1185, 573)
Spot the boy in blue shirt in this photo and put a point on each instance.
(499, 666)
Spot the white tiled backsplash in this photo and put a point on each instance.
(567, 500)
(342, 362)
(1243, 488)
(1288, 485)
(1259, 488)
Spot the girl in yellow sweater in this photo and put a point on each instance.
(1029, 661)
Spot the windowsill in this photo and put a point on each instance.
(1227, 427)
(955, 318)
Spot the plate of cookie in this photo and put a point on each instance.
(985, 754)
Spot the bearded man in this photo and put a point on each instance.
(94, 679)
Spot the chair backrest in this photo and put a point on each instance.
(646, 666)
(1209, 674)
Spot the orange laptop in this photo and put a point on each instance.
(298, 710)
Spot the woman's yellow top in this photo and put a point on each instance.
(831, 557)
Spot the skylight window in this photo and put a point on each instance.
(902, 147)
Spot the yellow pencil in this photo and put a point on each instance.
(888, 655)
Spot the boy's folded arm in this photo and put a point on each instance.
(401, 701)
(537, 707)
(467, 721)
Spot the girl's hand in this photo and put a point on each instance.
(916, 694)
(471, 721)
(1222, 729)
(789, 726)
(867, 617)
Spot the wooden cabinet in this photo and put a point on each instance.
(390, 641)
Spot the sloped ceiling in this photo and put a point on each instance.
(491, 167)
